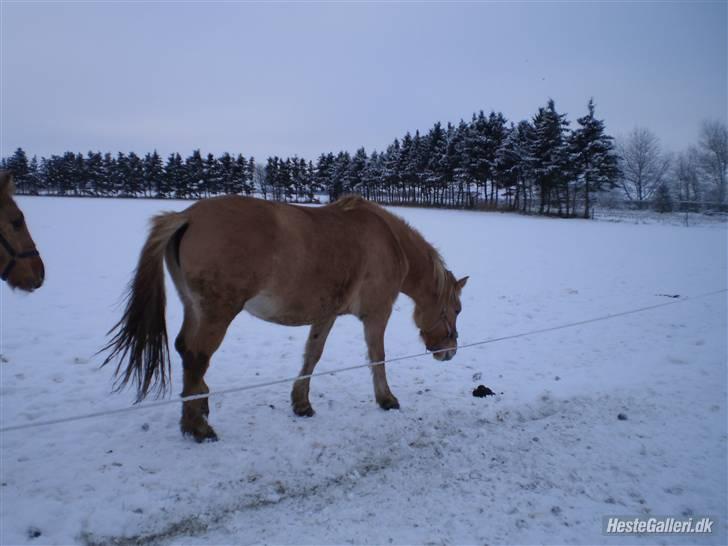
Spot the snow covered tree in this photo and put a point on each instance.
(35, 181)
(213, 176)
(95, 172)
(593, 156)
(436, 171)
(194, 171)
(339, 175)
(355, 182)
(105, 184)
(18, 165)
(175, 183)
(153, 176)
(549, 157)
(390, 178)
(135, 175)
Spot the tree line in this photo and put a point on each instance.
(693, 179)
(540, 165)
(130, 175)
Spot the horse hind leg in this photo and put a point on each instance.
(196, 346)
(314, 348)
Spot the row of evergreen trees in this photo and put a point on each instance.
(535, 165)
(129, 175)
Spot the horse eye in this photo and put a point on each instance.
(17, 224)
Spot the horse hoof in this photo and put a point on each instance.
(304, 412)
(390, 403)
(208, 437)
(200, 435)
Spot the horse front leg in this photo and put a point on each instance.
(314, 348)
(374, 327)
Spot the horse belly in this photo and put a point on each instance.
(279, 311)
(263, 307)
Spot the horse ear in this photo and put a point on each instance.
(462, 282)
(7, 187)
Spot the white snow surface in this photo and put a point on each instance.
(540, 463)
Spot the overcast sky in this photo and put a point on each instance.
(284, 79)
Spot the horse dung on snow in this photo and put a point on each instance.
(285, 264)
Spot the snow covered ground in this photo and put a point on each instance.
(714, 219)
(540, 463)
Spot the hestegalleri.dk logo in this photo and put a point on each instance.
(664, 525)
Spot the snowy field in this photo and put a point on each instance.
(540, 463)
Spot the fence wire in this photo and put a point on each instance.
(242, 388)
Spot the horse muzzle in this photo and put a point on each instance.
(27, 275)
(444, 355)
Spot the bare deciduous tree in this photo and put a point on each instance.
(714, 155)
(643, 164)
(686, 172)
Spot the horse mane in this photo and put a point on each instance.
(439, 269)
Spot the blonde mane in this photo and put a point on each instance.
(439, 269)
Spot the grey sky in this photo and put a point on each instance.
(284, 79)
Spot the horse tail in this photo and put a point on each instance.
(140, 337)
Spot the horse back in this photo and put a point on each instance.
(291, 264)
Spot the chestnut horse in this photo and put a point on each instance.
(285, 264)
(20, 262)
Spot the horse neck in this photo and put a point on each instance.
(421, 282)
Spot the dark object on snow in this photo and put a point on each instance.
(669, 295)
(482, 391)
(622, 416)
(34, 532)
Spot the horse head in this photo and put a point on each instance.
(439, 330)
(20, 264)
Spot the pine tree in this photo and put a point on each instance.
(251, 175)
(324, 172)
(153, 176)
(435, 175)
(194, 175)
(339, 175)
(135, 175)
(95, 172)
(225, 168)
(285, 179)
(355, 183)
(18, 165)
(105, 182)
(271, 178)
(391, 177)
(175, 178)
(549, 156)
(496, 133)
(372, 176)
(35, 182)
(593, 155)
(213, 178)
